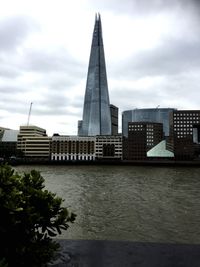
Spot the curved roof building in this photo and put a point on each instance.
(160, 115)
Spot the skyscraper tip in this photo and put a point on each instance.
(97, 16)
(96, 111)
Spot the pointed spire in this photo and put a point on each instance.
(96, 111)
(97, 17)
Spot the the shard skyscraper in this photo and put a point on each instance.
(96, 111)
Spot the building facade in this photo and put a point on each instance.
(160, 115)
(114, 119)
(142, 136)
(96, 111)
(8, 143)
(108, 147)
(72, 148)
(33, 143)
(184, 138)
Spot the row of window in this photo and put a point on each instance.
(186, 114)
(189, 123)
(100, 150)
(72, 157)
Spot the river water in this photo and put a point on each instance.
(136, 203)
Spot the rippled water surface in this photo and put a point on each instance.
(138, 203)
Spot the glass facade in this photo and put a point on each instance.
(96, 111)
(160, 115)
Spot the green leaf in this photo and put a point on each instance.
(30, 217)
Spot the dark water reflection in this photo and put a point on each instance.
(149, 204)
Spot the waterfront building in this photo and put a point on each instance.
(108, 147)
(96, 111)
(114, 119)
(160, 152)
(160, 115)
(33, 142)
(8, 142)
(142, 136)
(72, 148)
(2, 129)
(31, 130)
(184, 138)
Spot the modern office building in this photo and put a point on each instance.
(33, 142)
(2, 129)
(184, 138)
(31, 130)
(114, 119)
(160, 115)
(142, 136)
(96, 111)
(72, 148)
(108, 147)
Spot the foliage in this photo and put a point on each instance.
(30, 217)
(3, 263)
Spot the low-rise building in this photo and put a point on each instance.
(33, 142)
(72, 148)
(109, 147)
(8, 143)
(142, 136)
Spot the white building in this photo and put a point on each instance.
(33, 142)
(72, 148)
(108, 147)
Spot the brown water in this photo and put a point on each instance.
(138, 203)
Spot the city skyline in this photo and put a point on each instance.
(151, 50)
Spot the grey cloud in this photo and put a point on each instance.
(40, 110)
(172, 91)
(51, 111)
(134, 98)
(42, 61)
(11, 91)
(13, 33)
(145, 7)
(171, 58)
(13, 106)
(50, 61)
(13, 99)
(14, 30)
(78, 102)
(59, 105)
(55, 105)
(54, 101)
(8, 71)
(154, 6)
(57, 83)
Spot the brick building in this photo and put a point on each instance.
(184, 138)
(142, 136)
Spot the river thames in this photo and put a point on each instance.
(136, 203)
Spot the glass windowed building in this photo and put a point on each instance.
(160, 115)
(96, 111)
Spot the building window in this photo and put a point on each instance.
(108, 150)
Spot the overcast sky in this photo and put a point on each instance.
(152, 50)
